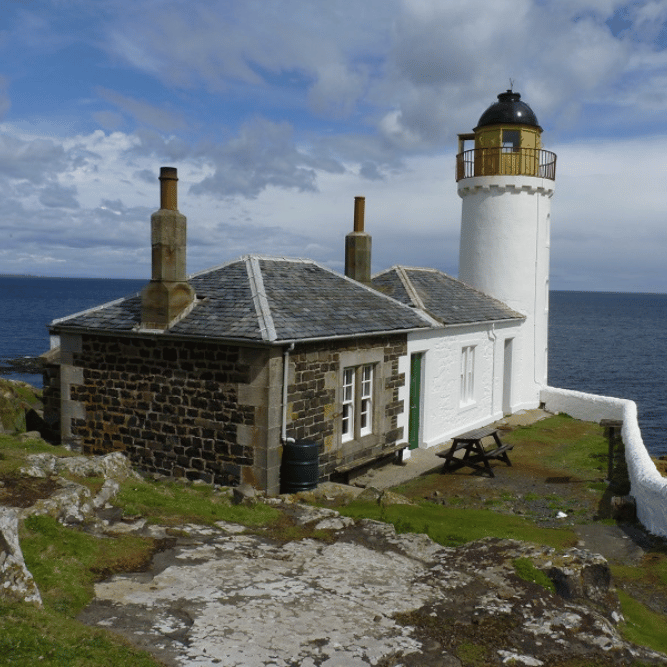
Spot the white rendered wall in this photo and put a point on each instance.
(647, 485)
(442, 415)
(504, 252)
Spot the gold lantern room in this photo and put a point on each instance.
(507, 143)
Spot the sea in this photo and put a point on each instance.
(613, 344)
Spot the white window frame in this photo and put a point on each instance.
(357, 399)
(366, 400)
(348, 401)
(467, 375)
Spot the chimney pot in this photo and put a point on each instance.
(359, 209)
(168, 188)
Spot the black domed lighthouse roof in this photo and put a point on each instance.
(509, 109)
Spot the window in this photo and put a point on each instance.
(511, 141)
(366, 401)
(357, 400)
(348, 404)
(468, 375)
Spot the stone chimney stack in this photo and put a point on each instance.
(168, 294)
(358, 247)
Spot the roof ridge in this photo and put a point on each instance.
(428, 269)
(281, 258)
(265, 319)
(215, 268)
(376, 292)
(381, 273)
(409, 287)
(246, 257)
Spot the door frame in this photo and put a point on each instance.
(415, 399)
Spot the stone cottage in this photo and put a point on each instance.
(208, 377)
(205, 378)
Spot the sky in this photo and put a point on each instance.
(277, 113)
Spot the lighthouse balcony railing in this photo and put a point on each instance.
(506, 161)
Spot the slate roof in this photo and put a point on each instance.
(444, 298)
(263, 299)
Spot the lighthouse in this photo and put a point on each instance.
(506, 183)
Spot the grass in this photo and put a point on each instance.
(173, 504)
(525, 570)
(561, 448)
(472, 655)
(454, 527)
(66, 562)
(32, 636)
(13, 452)
(642, 625)
(14, 398)
(562, 443)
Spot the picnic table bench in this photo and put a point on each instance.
(475, 455)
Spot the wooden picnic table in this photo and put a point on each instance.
(475, 455)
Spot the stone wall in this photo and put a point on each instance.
(648, 486)
(175, 407)
(51, 398)
(209, 411)
(314, 397)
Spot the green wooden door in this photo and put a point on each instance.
(415, 399)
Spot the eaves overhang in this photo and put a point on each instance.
(247, 342)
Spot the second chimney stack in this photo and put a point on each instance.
(358, 247)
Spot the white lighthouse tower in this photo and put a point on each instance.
(506, 183)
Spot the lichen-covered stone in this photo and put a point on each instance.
(16, 583)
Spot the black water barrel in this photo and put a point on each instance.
(299, 469)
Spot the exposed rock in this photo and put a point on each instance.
(16, 583)
(371, 597)
(108, 491)
(71, 504)
(391, 498)
(110, 466)
(41, 465)
(31, 435)
(578, 575)
(370, 494)
(245, 494)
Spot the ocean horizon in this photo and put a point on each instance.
(605, 343)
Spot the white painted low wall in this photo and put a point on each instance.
(648, 486)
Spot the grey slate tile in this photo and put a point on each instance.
(304, 299)
(446, 299)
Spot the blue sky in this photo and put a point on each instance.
(278, 112)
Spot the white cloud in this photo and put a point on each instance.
(34, 160)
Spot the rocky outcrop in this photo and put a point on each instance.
(365, 595)
(111, 466)
(72, 503)
(16, 583)
(368, 596)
